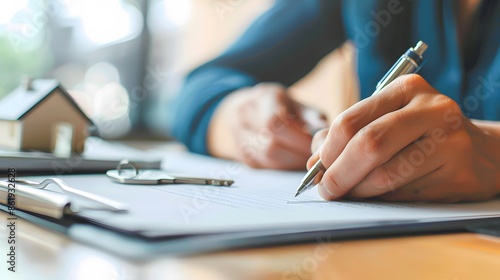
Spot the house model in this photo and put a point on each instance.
(40, 115)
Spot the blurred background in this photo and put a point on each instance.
(124, 60)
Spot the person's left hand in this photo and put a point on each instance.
(407, 143)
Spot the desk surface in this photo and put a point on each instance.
(43, 254)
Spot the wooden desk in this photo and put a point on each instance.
(43, 254)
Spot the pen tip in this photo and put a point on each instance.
(300, 189)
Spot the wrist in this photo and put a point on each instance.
(220, 142)
(497, 165)
(490, 143)
(494, 148)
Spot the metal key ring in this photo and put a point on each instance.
(124, 163)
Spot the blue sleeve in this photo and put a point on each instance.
(282, 46)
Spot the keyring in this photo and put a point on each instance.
(126, 162)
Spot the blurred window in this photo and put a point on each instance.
(122, 60)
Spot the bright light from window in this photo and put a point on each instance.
(99, 75)
(111, 102)
(108, 21)
(169, 14)
(9, 8)
(111, 108)
(177, 12)
(106, 99)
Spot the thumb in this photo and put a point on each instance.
(317, 142)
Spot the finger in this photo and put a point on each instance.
(290, 133)
(288, 106)
(268, 101)
(282, 158)
(312, 160)
(277, 157)
(372, 146)
(314, 119)
(280, 102)
(251, 145)
(393, 97)
(318, 139)
(283, 130)
(413, 162)
(317, 142)
(323, 192)
(262, 151)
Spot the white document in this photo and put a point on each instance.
(259, 199)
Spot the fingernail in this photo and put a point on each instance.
(324, 192)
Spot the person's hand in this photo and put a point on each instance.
(407, 143)
(266, 128)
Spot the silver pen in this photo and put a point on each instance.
(409, 62)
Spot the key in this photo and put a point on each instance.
(158, 177)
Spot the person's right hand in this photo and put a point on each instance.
(264, 126)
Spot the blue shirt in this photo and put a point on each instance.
(286, 42)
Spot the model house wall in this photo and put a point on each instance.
(40, 123)
(11, 134)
